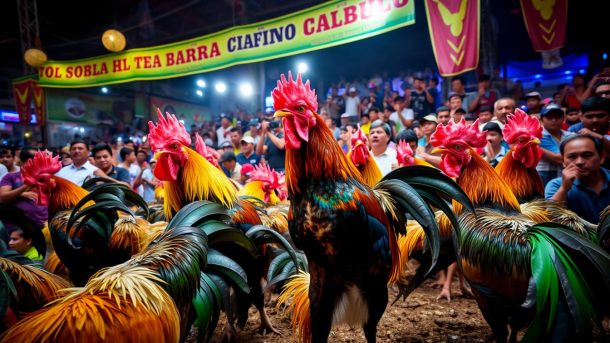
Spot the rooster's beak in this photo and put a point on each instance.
(281, 114)
(535, 141)
(438, 150)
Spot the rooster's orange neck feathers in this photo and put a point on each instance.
(524, 182)
(320, 159)
(65, 195)
(484, 186)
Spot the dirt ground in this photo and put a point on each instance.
(421, 318)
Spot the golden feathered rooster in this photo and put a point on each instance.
(521, 272)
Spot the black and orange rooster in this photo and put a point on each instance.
(521, 271)
(518, 170)
(346, 229)
(187, 177)
(84, 249)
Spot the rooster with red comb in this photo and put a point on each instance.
(346, 229)
(188, 177)
(521, 271)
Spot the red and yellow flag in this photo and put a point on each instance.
(39, 103)
(454, 32)
(546, 22)
(24, 91)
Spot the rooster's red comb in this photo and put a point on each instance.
(290, 91)
(42, 163)
(452, 132)
(168, 129)
(404, 154)
(519, 124)
(264, 173)
(359, 136)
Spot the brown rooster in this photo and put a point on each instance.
(518, 170)
(347, 230)
(84, 249)
(520, 271)
(187, 177)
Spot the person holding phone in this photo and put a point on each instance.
(272, 145)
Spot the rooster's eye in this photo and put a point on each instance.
(457, 147)
(174, 146)
(301, 108)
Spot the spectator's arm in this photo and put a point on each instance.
(406, 122)
(551, 156)
(278, 142)
(8, 194)
(260, 147)
(433, 160)
(429, 97)
(99, 173)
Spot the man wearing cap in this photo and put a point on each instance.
(428, 126)
(551, 163)
(485, 116)
(352, 102)
(534, 103)
(485, 96)
(223, 133)
(254, 127)
(246, 172)
(247, 155)
(494, 150)
(345, 119)
(229, 166)
(379, 140)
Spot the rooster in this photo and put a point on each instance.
(406, 157)
(520, 271)
(84, 249)
(187, 177)
(346, 229)
(360, 155)
(518, 170)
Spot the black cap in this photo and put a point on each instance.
(485, 109)
(461, 110)
(227, 156)
(491, 126)
(442, 109)
(549, 109)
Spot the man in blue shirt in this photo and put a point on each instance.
(247, 155)
(551, 163)
(583, 185)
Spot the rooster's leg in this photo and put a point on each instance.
(377, 299)
(259, 302)
(493, 310)
(322, 299)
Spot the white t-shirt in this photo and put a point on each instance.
(220, 134)
(77, 175)
(149, 190)
(386, 160)
(407, 113)
(351, 105)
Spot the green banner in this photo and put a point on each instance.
(78, 107)
(322, 26)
